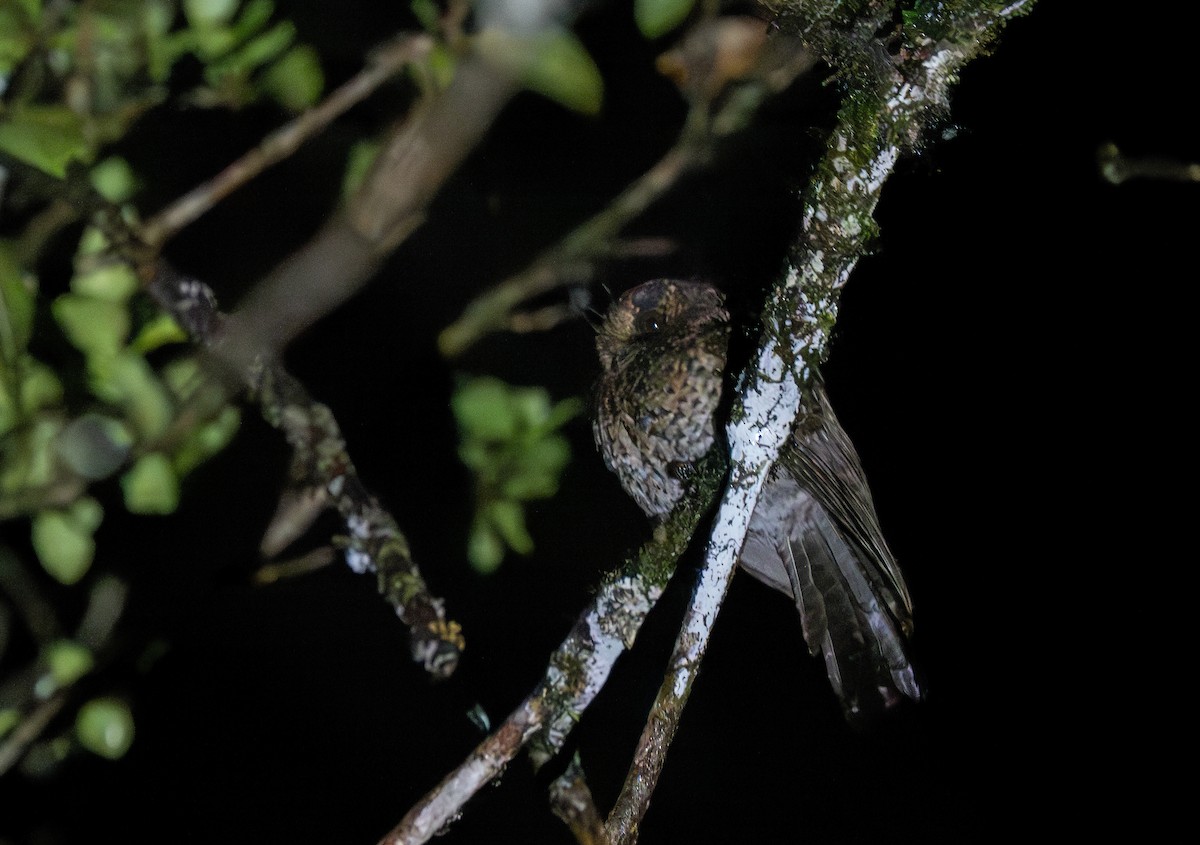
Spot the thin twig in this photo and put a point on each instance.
(385, 62)
(1116, 167)
(572, 801)
(30, 728)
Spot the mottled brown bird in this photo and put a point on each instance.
(814, 535)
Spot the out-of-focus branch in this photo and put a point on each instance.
(320, 460)
(577, 669)
(696, 65)
(1116, 167)
(839, 204)
(385, 62)
(572, 801)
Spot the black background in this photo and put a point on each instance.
(1011, 363)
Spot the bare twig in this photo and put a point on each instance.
(571, 801)
(1116, 167)
(385, 62)
(30, 728)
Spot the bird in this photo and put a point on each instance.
(814, 534)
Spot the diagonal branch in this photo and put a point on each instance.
(576, 671)
(320, 459)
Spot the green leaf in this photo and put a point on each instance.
(209, 13)
(94, 327)
(17, 38)
(86, 512)
(296, 80)
(16, 305)
(359, 160)
(29, 461)
(113, 179)
(427, 14)
(127, 380)
(658, 17)
(537, 469)
(40, 387)
(485, 549)
(554, 64)
(531, 405)
(10, 717)
(206, 441)
(94, 446)
(68, 661)
(508, 518)
(483, 410)
(104, 726)
(64, 547)
(46, 137)
(160, 331)
(111, 281)
(151, 486)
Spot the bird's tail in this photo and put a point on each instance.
(845, 617)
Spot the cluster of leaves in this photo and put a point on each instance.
(105, 63)
(510, 440)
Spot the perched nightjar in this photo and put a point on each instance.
(814, 534)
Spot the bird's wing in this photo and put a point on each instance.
(815, 537)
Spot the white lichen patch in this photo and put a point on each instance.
(358, 561)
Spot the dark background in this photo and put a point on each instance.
(1011, 362)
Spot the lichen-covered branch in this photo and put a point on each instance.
(572, 801)
(838, 208)
(374, 543)
(577, 670)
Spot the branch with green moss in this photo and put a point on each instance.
(375, 542)
(873, 129)
(578, 668)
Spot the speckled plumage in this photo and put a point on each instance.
(814, 535)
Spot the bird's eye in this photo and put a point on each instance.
(648, 322)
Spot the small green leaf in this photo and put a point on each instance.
(427, 14)
(10, 717)
(531, 405)
(113, 179)
(209, 13)
(29, 461)
(160, 331)
(359, 160)
(206, 441)
(658, 17)
(537, 470)
(564, 412)
(485, 549)
(94, 446)
(266, 47)
(86, 513)
(109, 281)
(94, 327)
(127, 380)
(554, 64)
(16, 305)
(296, 80)
(483, 409)
(64, 547)
(104, 726)
(47, 137)
(40, 387)
(68, 661)
(253, 18)
(151, 486)
(508, 517)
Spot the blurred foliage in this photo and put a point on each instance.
(655, 18)
(509, 440)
